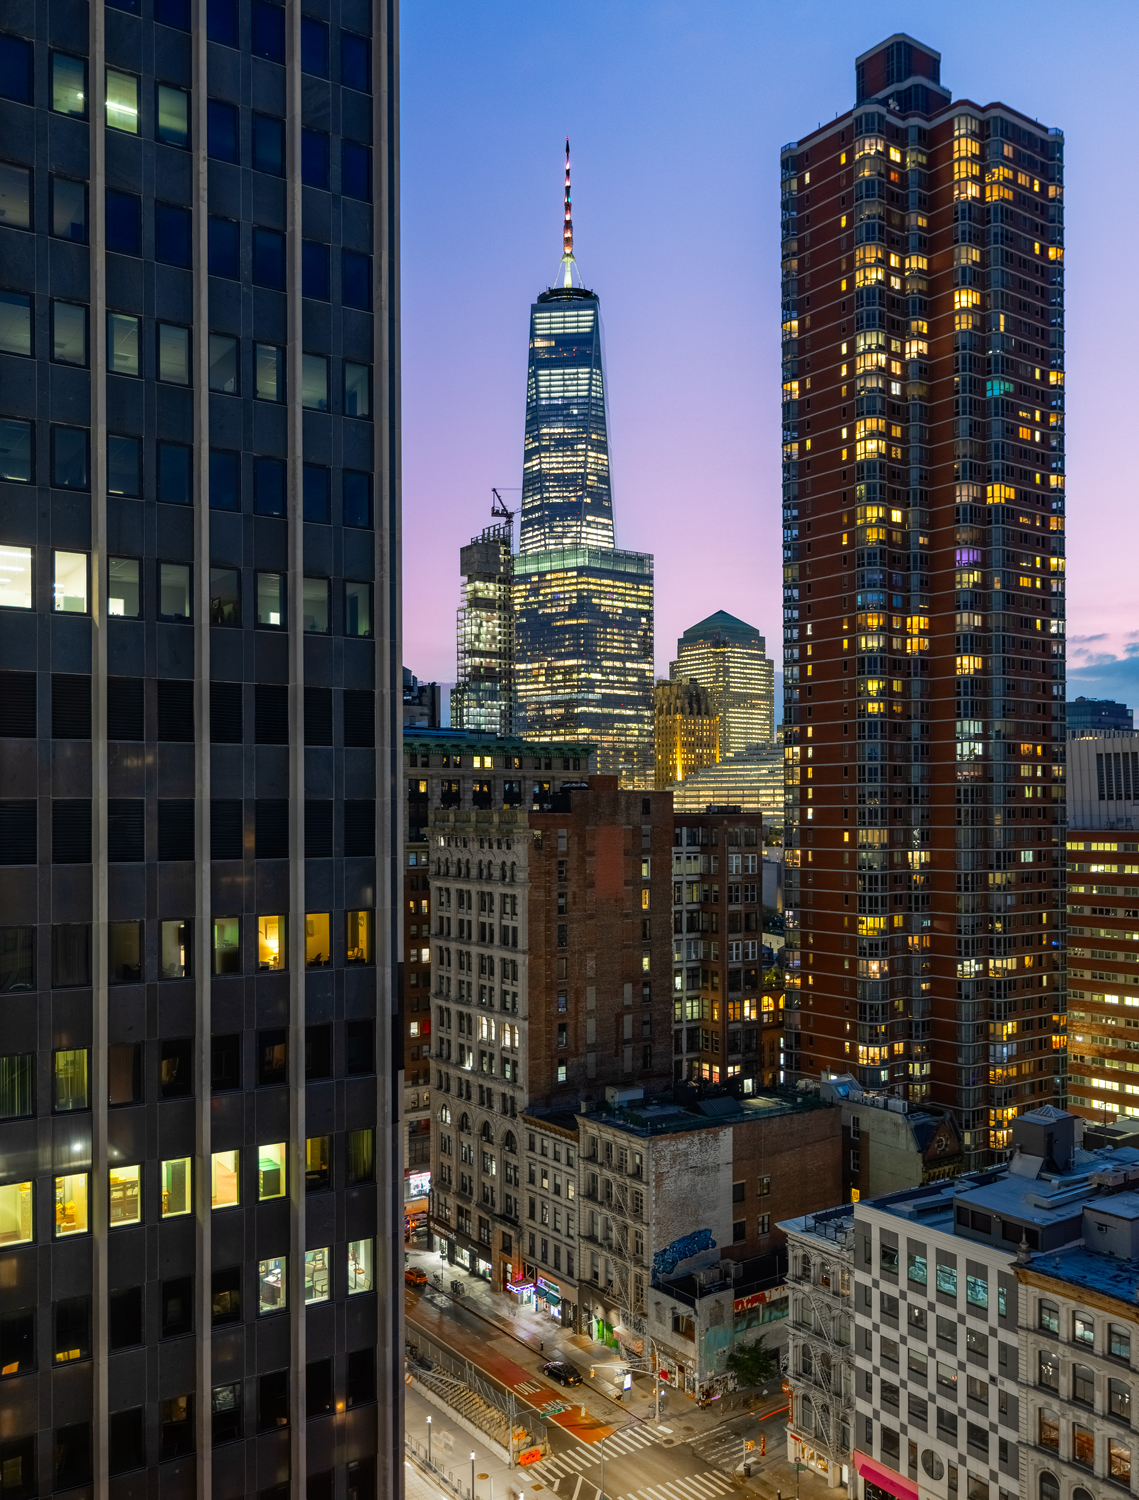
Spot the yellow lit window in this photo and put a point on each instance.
(318, 942)
(176, 1187)
(71, 1204)
(70, 1080)
(318, 1275)
(359, 937)
(225, 1179)
(361, 1266)
(318, 1163)
(271, 951)
(645, 898)
(15, 1214)
(271, 1171)
(126, 1195)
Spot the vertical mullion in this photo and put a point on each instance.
(200, 933)
(98, 1205)
(295, 616)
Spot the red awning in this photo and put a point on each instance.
(886, 1479)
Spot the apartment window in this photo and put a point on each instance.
(123, 226)
(1119, 1399)
(318, 1276)
(227, 945)
(225, 480)
(15, 1214)
(68, 85)
(316, 273)
(15, 196)
(224, 364)
(174, 474)
(223, 252)
(763, 1224)
(357, 608)
(225, 1179)
(172, 115)
(1083, 1331)
(314, 381)
(69, 209)
(1048, 1316)
(1119, 1341)
(269, 145)
(15, 323)
(69, 583)
(269, 475)
(122, 101)
(315, 485)
(70, 1204)
(271, 1181)
(221, 130)
(17, 1088)
(124, 465)
(69, 1079)
(357, 389)
(69, 333)
(173, 354)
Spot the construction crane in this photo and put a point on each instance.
(498, 508)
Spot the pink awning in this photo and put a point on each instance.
(886, 1479)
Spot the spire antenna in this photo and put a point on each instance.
(568, 262)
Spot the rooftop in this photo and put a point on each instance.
(1082, 1267)
(663, 1115)
(455, 741)
(724, 626)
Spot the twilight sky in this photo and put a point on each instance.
(676, 113)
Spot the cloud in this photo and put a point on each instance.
(1103, 675)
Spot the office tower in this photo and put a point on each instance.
(583, 610)
(730, 660)
(422, 703)
(551, 977)
(1103, 892)
(198, 838)
(686, 732)
(1094, 715)
(483, 695)
(923, 596)
(751, 780)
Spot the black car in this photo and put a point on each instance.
(564, 1374)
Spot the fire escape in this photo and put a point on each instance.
(819, 1362)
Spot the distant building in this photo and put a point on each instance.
(1092, 715)
(686, 731)
(889, 1143)
(422, 703)
(730, 659)
(752, 779)
(483, 695)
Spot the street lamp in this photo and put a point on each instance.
(472, 1477)
(429, 1442)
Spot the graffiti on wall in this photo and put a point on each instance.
(666, 1261)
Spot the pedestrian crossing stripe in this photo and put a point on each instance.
(691, 1487)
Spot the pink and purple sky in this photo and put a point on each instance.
(676, 113)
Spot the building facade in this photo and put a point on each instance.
(1094, 715)
(751, 780)
(483, 696)
(923, 478)
(422, 703)
(729, 659)
(199, 1157)
(686, 732)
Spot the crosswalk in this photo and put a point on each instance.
(707, 1486)
(566, 1472)
(577, 1459)
(724, 1448)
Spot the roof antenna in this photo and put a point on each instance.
(568, 263)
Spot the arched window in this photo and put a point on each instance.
(1079, 1493)
(468, 869)
(480, 869)
(510, 1144)
(1049, 1486)
(1049, 1316)
(502, 873)
(465, 1123)
(805, 1267)
(513, 875)
(487, 1132)
(445, 1115)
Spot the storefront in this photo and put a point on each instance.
(521, 1287)
(549, 1297)
(880, 1482)
(483, 1268)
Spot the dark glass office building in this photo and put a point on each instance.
(200, 1185)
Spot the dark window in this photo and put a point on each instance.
(273, 1401)
(177, 1307)
(126, 825)
(225, 1295)
(17, 1346)
(316, 277)
(124, 952)
(271, 827)
(70, 954)
(126, 1431)
(70, 463)
(357, 499)
(269, 31)
(316, 494)
(359, 1047)
(361, 1377)
(72, 1330)
(16, 451)
(272, 1058)
(360, 718)
(17, 1086)
(124, 1321)
(71, 831)
(124, 1074)
(739, 1230)
(225, 713)
(16, 70)
(318, 1388)
(70, 706)
(314, 159)
(173, 13)
(361, 1156)
(176, 709)
(71, 1456)
(269, 259)
(359, 829)
(225, 1414)
(269, 144)
(318, 716)
(271, 713)
(124, 222)
(173, 235)
(318, 1051)
(18, 1466)
(356, 62)
(176, 1416)
(225, 1063)
(221, 22)
(355, 279)
(69, 209)
(17, 705)
(18, 845)
(225, 480)
(320, 1486)
(174, 474)
(124, 462)
(221, 130)
(356, 170)
(225, 609)
(224, 248)
(318, 829)
(176, 828)
(16, 187)
(269, 486)
(175, 1068)
(227, 832)
(314, 47)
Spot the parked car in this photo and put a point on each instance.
(413, 1276)
(558, 1370)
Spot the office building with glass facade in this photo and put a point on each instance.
(729, 658)
(200, 1177)
(483, 696)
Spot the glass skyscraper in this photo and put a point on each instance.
(583, 610)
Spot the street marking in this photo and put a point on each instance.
(576, 1488)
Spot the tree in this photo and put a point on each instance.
(751, 1363)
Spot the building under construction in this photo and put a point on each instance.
(483, 696)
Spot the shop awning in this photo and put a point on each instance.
(519, 1286)
(886, 1479)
